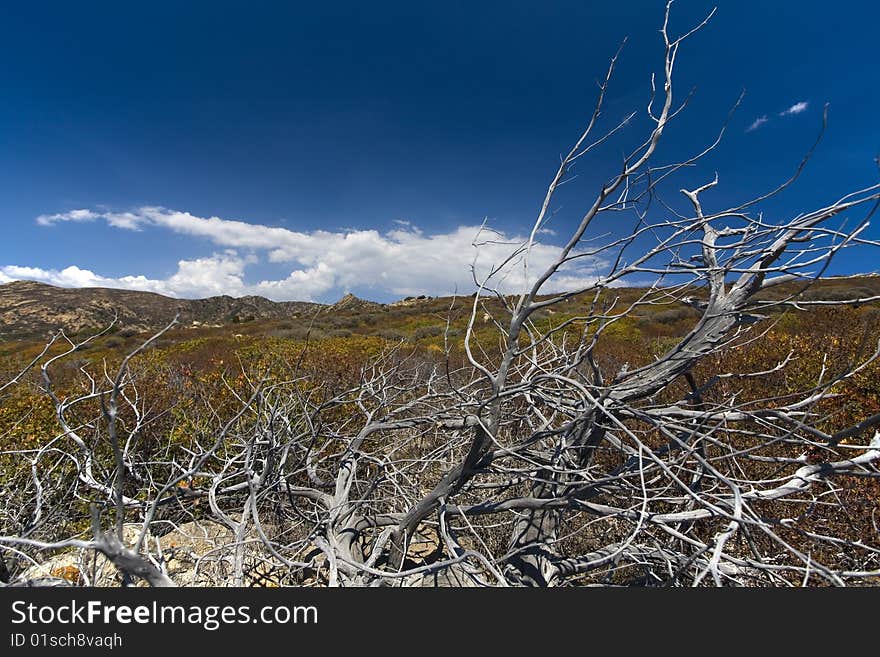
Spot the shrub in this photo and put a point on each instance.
(428, 332)
(392, 334)
(839, 293)
(670, 316)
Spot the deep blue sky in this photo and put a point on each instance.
(352, 115)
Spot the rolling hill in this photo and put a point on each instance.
(30, 309)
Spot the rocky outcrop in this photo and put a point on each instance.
(28, 308)
(351, 303)
(193, 554)
(198, 554)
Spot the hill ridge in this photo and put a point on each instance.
(30, 308)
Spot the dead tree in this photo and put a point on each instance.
(531, 462)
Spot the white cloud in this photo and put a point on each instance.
(797, 108)
(757, 123)
(404, 261)
(213, 275)
(74, 215)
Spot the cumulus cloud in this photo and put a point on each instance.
(757, 123)
(214, 275)
(404, 261)
(797, 108)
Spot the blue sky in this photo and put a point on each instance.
(301, 151)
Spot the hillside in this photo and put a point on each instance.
(30, 309)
